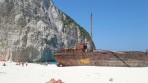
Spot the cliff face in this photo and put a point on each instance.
(32, 30)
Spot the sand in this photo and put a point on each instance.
(36, 73)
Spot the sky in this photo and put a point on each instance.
(118, 25)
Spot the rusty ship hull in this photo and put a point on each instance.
(116, 59)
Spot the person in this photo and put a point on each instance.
(59, 81)
(23, 64)
(4, 64)
(26, 64)
(46, 63)
(52, 81)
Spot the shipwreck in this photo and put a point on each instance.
(82, 56)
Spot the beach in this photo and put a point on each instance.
(37, 73)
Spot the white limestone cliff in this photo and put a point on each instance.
(32, 30)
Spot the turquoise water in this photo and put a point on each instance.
(53, 62)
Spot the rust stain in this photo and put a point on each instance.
(85, 61)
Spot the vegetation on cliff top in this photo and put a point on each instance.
(69, 20)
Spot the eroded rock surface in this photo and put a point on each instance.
(32, 30)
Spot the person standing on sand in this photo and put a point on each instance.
(23, 64)
(26, 64)
(4, 64)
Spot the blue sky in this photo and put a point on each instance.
(117, 24)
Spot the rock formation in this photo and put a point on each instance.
(32, 30)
